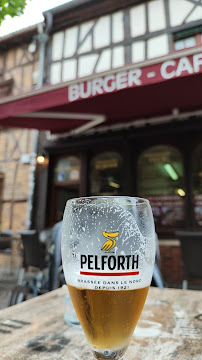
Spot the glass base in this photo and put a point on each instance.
(109, 354)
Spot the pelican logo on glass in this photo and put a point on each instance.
(111, 242)
(109, 265)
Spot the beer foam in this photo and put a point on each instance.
(82, 235)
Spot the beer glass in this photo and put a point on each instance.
(108, 251)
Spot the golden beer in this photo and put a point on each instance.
(108, 253)
(108, 318)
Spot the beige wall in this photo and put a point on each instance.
(14, 144)
(21, 66)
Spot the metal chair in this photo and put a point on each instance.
(191, 245)
(18, 294)
(33, 252)
(34, 255)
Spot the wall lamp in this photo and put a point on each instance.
(42, 160)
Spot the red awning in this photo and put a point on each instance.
(116, 98)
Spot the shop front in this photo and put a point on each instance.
(123, 133)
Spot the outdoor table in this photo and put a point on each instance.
(169, 328)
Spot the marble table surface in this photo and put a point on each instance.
(170, 327)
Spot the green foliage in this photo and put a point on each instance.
(11, 8)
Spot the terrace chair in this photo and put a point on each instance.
(19, 294)
(191, 245)
(34, 253)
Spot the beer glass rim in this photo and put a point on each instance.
(135, 200)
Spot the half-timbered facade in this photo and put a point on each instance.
(18, 74)
(131, 35)
(138, 147)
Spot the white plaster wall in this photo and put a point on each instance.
(102, 32)
(104, 62)
(57, 46)
(138, 20)
(87, 44)
(85, 28)
(157, 46)
(69, 69)
(138, 51)
(55, 73)
(195, 15)
(86, 64)
(118, 56)
(179, 9)
(156, 14)
(70, 41)
(117, 27)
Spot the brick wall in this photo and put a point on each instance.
(172, 265)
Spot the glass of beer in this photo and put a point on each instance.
(108, 252)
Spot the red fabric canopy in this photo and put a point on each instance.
(150, 95)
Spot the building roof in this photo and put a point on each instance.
(78, 11)
(16, 38)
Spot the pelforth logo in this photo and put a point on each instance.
(111, 242)
(109, 265)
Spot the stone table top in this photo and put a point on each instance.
(170, 327)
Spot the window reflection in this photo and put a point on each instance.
(160, 179)
(105, 174)
(185, 43)
(67, 170)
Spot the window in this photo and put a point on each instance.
(106, 174)
(185, 43)
(160, 179)
(67, 170)
(187, 38)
